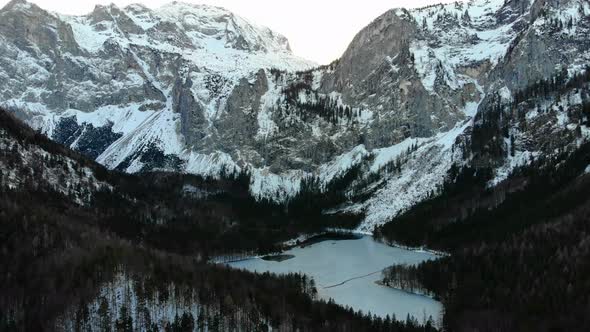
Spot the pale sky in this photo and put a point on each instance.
(318, 30)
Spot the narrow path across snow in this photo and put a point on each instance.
(351, 279)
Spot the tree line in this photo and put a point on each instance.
(519, 250)
(60, 259)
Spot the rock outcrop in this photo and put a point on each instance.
(198, 89)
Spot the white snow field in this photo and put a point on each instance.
(346, 271)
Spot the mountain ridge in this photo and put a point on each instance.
(462, 127)
(76, 252)
(412, 89)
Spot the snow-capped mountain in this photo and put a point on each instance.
(131, 67)
(199, 90)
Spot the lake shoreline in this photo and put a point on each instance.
(332, 234)
(302, 239)
(415, 249)
(430, 296)
(346, 267)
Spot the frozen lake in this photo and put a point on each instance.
(346, 271)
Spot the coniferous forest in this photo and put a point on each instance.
(518, 252)
(85, 248)
(76, 256)
(173, 166)
(102, 257)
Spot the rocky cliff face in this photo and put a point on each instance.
(170, 75)
(198, 89)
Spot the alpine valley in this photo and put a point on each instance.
(142, 149)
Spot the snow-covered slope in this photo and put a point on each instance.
(146, 75)
(198, 89)
(31, 162)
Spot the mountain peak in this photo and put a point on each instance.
(221, 24)
(137, 7)
(195, 5)
(18, 5)
(14, 2)
(103, 8)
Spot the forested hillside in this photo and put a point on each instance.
(519, 259)
(110, 251)
(188, 135)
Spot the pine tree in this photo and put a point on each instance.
(187, 322)
(104, 315)
(124, 323)
(466, 16)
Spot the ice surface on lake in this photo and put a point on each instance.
(346, 271)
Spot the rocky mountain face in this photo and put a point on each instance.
(117, 251)
(117, 74)
(197, 89)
